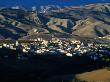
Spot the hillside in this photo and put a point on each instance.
(95, 76)
(84, 21)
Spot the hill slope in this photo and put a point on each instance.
(85, 21)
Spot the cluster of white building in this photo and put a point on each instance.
(54, 47)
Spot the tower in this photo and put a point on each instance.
(17, 43)
(19, 49)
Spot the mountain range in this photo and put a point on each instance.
(91, 21)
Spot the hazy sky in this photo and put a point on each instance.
(29, 3)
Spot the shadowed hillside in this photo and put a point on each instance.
(86, 21)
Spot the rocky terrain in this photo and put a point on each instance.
(90, 21)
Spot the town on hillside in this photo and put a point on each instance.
(57, 47)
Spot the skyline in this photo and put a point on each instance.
(30, 3)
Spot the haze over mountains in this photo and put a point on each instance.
(30, 3)
(84, 21)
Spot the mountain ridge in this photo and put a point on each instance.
(83, 21)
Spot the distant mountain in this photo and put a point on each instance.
(86, 21)
(82, 21)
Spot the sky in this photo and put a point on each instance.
(30, 3)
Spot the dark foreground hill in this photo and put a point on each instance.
(44, 68)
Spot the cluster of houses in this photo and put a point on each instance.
(57, 47)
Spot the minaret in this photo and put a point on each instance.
(17, 43)
(19, 49)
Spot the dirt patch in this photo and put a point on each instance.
(102, 75)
